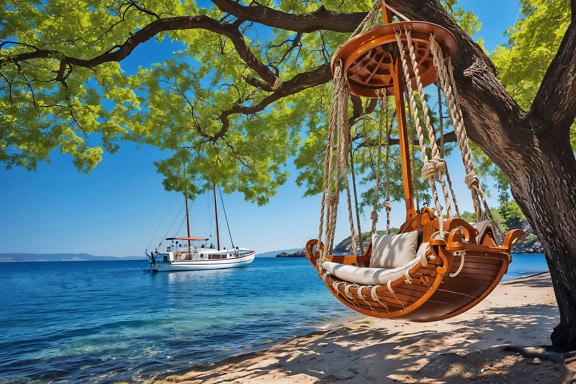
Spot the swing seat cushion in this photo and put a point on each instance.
(393, 251)
(373, 276)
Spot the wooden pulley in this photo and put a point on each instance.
(370, 59)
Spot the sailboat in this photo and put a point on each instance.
(194, 254)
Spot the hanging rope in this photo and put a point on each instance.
(413, 162)
(395, 11)
(356, 208)
(343, 147)
(441, 127)
(374, 214)
(387, 202)
(428, 172)
(329, 201)
(439, 164)
(368, 21)
(448, 85)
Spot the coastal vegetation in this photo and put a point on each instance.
(257, 75)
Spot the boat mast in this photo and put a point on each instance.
(216, 217)
(187, 221)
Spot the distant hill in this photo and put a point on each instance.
(277, 252)
(292, 253)
(29, 257)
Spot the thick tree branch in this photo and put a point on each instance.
(297, 84)
(322, 19)
(139, 37)
(556, 98)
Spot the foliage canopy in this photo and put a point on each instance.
(210, 105)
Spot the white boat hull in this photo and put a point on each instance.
(160, 264)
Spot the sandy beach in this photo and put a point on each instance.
(501, 340)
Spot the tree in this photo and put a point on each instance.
(511, 215)
(249, 81)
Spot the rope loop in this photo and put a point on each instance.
(389, 285)
(462, 254)
(374, 293)
(408, 279)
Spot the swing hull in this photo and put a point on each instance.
(460, 272)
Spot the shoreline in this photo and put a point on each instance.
(483, 345)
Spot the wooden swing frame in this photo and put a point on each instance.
(461, 267)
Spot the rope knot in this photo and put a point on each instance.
(374, 216)
(433, 168)
(472, 181)
(331, 199)
(388, 205)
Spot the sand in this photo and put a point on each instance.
(501, 340)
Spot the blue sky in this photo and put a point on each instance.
(121, 207)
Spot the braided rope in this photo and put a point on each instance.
(447, 174)
(353, 243)
(374, 215)
(414, 109)
(462, 255)
(328, 209)
(343, 146)
(438, 161)
(448, 85)
(387, 202)
(449, 89)
(368, 21)
(393, 10)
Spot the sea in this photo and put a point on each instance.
(114, 321)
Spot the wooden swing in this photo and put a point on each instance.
(435, 267)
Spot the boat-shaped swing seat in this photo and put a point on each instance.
(431, 269)
(415, 276)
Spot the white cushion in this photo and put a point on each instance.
(393, 251)
(372, 276)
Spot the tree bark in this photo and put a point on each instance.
(532, 148)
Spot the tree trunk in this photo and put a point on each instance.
(532, 148)
(564, 334)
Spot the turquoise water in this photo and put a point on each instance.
(104, 322)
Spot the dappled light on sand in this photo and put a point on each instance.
(498, 341)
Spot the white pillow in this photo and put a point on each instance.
(372, 276)
(393, 251)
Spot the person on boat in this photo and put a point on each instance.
(151, 256)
